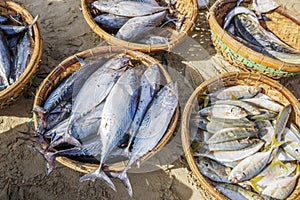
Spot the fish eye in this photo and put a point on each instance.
(244, 174)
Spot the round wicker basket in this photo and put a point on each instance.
(11, 93)
(270, 87)
(67, 67)
(285, 24)
(186, 8)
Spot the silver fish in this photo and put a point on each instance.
(216, 125)
(82, 128)
(153, 127)
(213, 170)
(230, 156)
(5, 60)
(97, 87)
(149, 85)
(229, 145)
(270, 174)
(282, 187)
(252, 110)
(110, 21)
(234, 12)
(127, 8)
(230, 134)
(282, 155)
(292, 143)
(23, 52)
(117, 116)
(251, 30)
(250, 166)
(265, 103)
(13, 30)
(282, 120)
(237, 192)
(223, 111)
(136, 26)
(266, 130)
(238, 92)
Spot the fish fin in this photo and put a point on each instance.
(233, 97)
(253, 182)
(39, 110)
(278, 162)
(275, 143)
(124, 179)
(80, 60)
(206, 101)
(298, 169)
(50, 158)
(263, 17)
(100, 175)
(65, 138)
(31, 25)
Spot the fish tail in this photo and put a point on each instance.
(124, 179)
(31, 25)
(253, 182)
(50, 157)
(100, 175)
(65, 138)
(298, 170)
(80, 60)
(278, 162)
(275, 143)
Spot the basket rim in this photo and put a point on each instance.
(185, 137)
(69, 62)
(138, 46)
(35, 57)
(245, 51)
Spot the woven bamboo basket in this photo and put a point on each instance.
(187, 8)
(270, 87)
(11, 93)
(285, 24)
(67, 67)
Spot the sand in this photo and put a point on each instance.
(23, 170)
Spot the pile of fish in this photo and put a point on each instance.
(14, 48)
(135, 20)
(243, 24)
(246, 144)
(111, 110)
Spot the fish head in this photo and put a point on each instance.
(120, 63)
(254, 90)
(236, 111)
